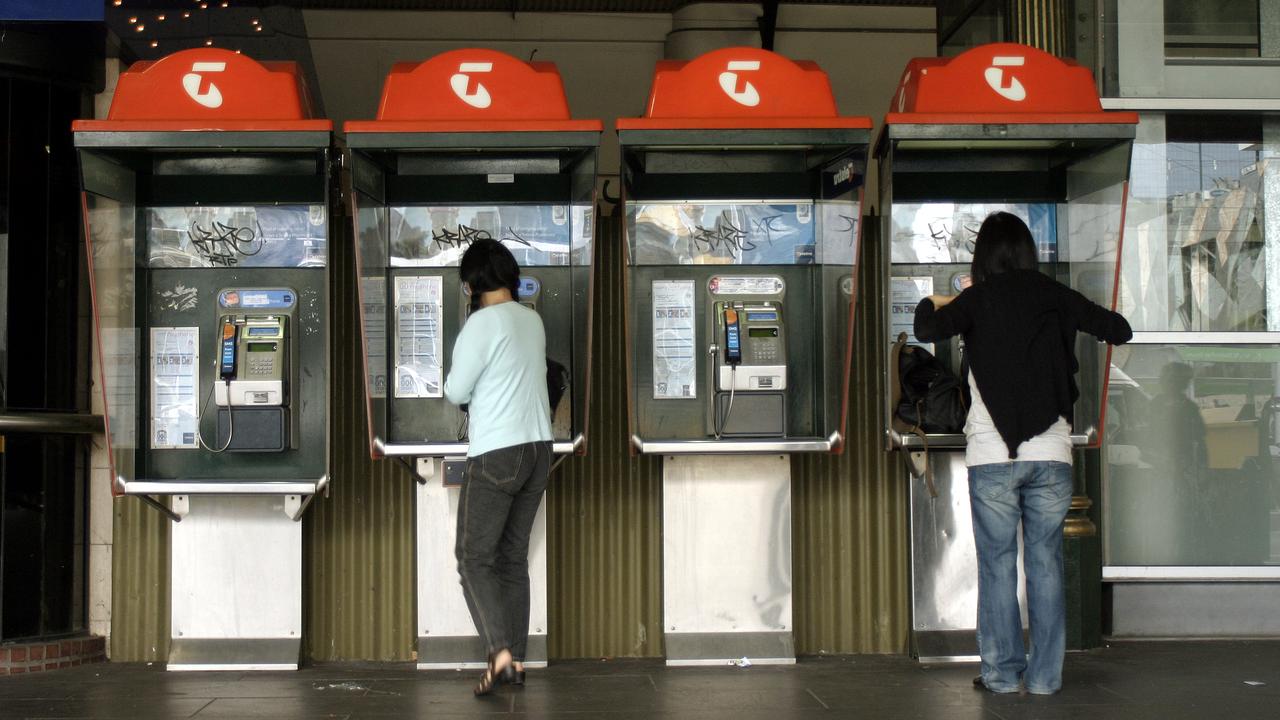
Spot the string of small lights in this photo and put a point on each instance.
(182, 34)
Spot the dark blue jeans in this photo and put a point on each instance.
(500, 497)
(1037, 494)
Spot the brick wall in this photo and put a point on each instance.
(33, 657)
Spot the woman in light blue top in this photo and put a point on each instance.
(499, 371)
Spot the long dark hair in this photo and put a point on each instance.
(1004, 243)
(488, 265)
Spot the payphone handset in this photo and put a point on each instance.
(253, 361)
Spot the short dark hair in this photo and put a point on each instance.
(1004, 243)
(487, 265)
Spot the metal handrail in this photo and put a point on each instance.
(51, 423)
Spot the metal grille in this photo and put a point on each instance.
(604, 510)
(139, 583)
(358, 542)
(849, 511)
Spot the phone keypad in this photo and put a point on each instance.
(765, 352)
(261, 366)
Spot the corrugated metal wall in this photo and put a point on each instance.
(139, 583)
(359, 594)
(604, 510)
(849, 511)
(604, 519)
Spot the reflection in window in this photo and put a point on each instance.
(1222, 28)
(1195, 253)
(1193, 456)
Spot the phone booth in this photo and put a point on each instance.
(743, 190)
(205, 214)
(1001, 127)
(470, 144)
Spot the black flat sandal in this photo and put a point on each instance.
(491, 678)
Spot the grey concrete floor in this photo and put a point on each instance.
(1165, 680)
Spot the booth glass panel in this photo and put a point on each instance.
(113, 252)
(1072, 202)
(1193, 455)
(371, 258)
(784, 265)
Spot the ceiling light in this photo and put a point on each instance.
(155, 43)
(140, 28)
(254, 21)
(208, 42)
(116, 2)
(186, 14)
(160, 18)
(258, 29)
(224, 4)
(133, 19)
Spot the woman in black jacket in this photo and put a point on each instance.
(1019, 329)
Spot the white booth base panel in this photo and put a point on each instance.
(726, 551)
(447, 639)
(944, 565)
(236, 585)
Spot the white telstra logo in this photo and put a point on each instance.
(995, 77)
(729, 82)
(211, 98)
(479, 98)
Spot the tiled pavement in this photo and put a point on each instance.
(1138, 681)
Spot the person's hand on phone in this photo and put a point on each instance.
(940, 301)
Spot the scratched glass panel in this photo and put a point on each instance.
(247, 236)
(723, 233)
(943, 232)
(438, 235)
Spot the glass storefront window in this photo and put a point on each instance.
(1192, 474)
(1196, 252)
(1223, 28)
(1193, 456)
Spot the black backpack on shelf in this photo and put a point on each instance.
(932, 397)
(927, 398)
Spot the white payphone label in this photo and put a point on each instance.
(175, 369)
(418, 337)
(905, 293)
(746, 285)
(674, 364)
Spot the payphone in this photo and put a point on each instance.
(750, 370)
(207, 228)
(251, 389)
(435, 172)
(1047, 153)
(742, 194)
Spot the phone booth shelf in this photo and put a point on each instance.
(205, 203)
(742, 191)
(1001, 127)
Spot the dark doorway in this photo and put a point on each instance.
(43, 329)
